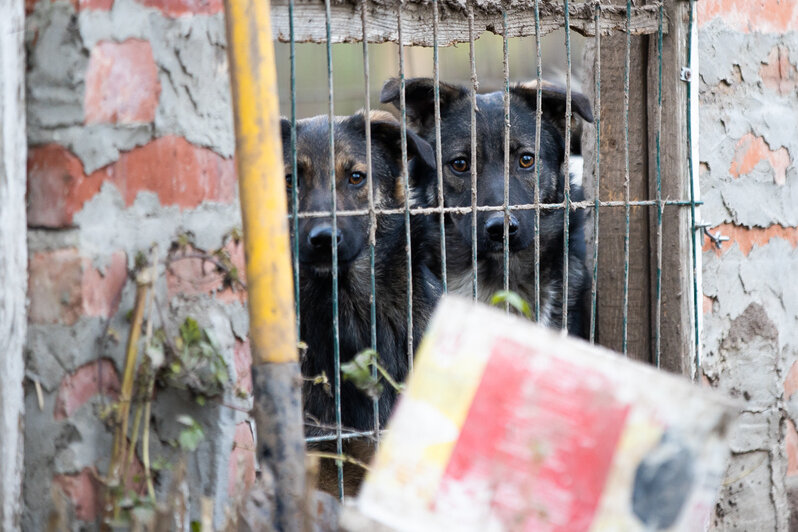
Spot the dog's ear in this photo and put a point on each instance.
(386, 130)
(285, 132)
(420, 99)
(553, 99)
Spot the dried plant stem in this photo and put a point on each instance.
(342, 457)
(145, 444)
(119, 456)
(123, 412)
(150, 381)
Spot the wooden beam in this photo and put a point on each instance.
(309, 20)
(612, 221)
(677, 327)
(13, 257)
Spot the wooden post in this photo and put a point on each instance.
(612, 220)
(277, 408)
(677, 327)
(13, 257)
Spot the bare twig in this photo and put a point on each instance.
(205, 257)
(342, 457)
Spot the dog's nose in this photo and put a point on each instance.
(494, 225)
(321, 237)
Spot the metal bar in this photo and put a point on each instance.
(693, 192)
(406, 177)
(474, 85)
(626, 177)
(597, 179)
(506, 240)
(585, 204)
(438, 161)
(334, 247)
(294, 194)
(372, 214)
(567, 195)
(376, 435)
(658, 288)
(538, 119)
(277, 403)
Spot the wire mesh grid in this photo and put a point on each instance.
(592, 19)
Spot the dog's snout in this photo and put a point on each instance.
(321, 237)
(494, 225)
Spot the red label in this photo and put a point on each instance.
(537, 443)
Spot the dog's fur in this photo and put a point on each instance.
(455, 129)
(354, 283)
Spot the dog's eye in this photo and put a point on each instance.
(288, 182)
(357, 178)
(459, 165)
(526, 160)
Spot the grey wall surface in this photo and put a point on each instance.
(749, 185)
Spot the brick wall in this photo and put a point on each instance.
(749, 183)
(131, 144)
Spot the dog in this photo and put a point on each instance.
(315, 237)
(455, 130)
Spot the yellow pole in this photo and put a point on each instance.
(277, 406)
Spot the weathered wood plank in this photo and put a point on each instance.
(677, 328)
(13, 257)
(345, 25)
(612, 222)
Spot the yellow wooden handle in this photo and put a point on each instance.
(261, 181)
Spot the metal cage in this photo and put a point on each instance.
(663, 216)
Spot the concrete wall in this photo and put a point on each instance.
(131, 143)
(749, 183)
(131, 138)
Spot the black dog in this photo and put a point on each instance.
(455, 127)
(315, 237)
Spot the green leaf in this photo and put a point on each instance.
(190, 331)
(358, 370)
(513, 299)
(191, 437)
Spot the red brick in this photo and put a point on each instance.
(241, 469)
(778, 73)
(77, 5)
(98, 5)
(751, 150)
(57, 186)
(791, 382)
(54, 286)
(101, 291)
(236, 293)
(242, 361)
(122, 83)
(791, 448)
(766, 16)
(195, 276)
(179, 172)
(176, 8)
(84, 492)
(91, 379)
(746, 238)
(65, 286)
